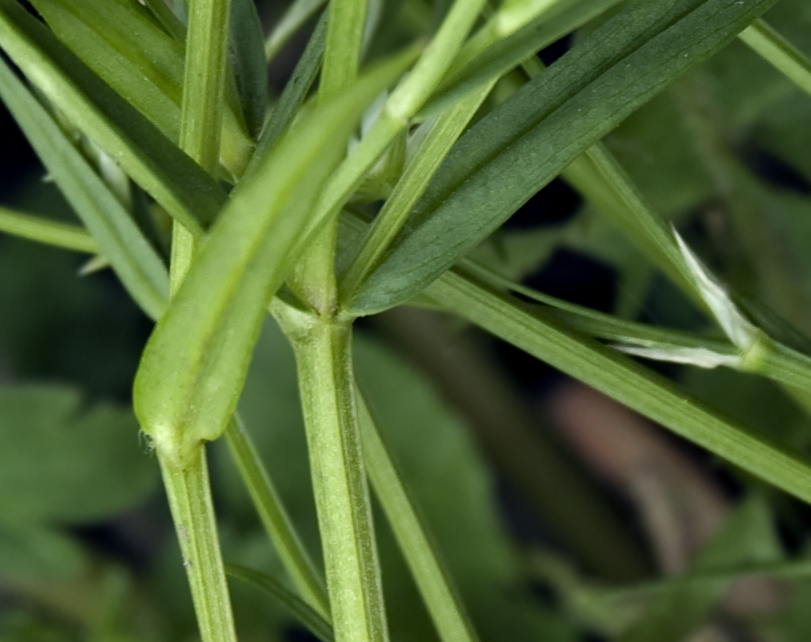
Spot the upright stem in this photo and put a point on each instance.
(187, 486)
(323, 353)
(275, 519)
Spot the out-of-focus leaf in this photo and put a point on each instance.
(248, 63)
(133, 258)
(178, 184)
(747, 536)
(121, 42)
(61, 462)
(520, 146)
(452, 487)
(37, 553)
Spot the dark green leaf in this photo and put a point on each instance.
(296, 90)
(519, 147)
(248, 62)
(60, 462)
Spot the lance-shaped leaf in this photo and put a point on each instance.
(520, 146)
(195, 363)
(188, 193)
(511, 36)
(134, 260)
(122, 43)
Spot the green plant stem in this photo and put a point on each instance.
(187, 487)
(275, 519)
(779, 52)
(422, 555)
(620, 378)
(326, 382)
(40, 230)
(186, 474)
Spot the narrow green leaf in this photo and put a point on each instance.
(433, 579)
(779, 52)
(296, 90)
(121, 42)
(275, 518)
(168, 20)
(297, 14)
(186, 192)
(248, 62)
(36, 228)
(520, 146)
(503, 44)
(676, 614)
(194, 365)
(639, 388)
(302, 612)
(134, 260)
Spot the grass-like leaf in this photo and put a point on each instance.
(186, 192)
(194, 365)
(519, 147)
(134, 260)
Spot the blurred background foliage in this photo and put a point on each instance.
(562, 516)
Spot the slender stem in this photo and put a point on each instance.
(422, 555)
(187, 486)
(778, 52)
(186, 478)
(323, 355)
(275, 519)
(639, 388)
(293, 19)
(34, 228)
